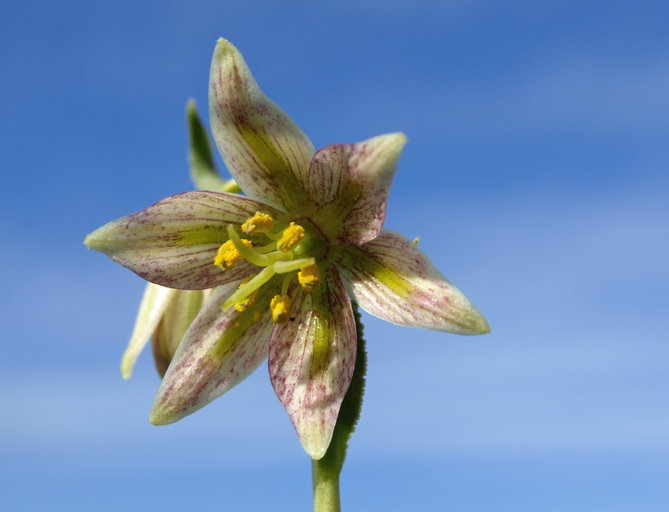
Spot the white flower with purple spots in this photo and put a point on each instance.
(283, 260)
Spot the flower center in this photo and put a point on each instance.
(280, 250)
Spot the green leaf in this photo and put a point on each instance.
(202, 169)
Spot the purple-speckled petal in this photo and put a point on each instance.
(264, 150)
(348, 187)
(219, 350)
(311, 360)
(392, 279)
(174, 242)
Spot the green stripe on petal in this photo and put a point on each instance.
(392, 279)
(219, 350)
(311, 360)
(264, 150)
(174, 242)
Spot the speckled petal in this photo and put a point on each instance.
(348, 186)
(174, 242)
(392, 279)
(311, 361)
(155, 302)
(219, 350)
(264, 150)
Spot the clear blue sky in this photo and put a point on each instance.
(536, 175)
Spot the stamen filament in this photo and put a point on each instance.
(264, 249)
(281, 267)
(273, 236)
(254, 284)
(249, 254)
(286, 283)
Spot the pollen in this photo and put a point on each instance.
(228, 254)
(290, 237)
(280, 306)
(309, 277)
(259, 223)
(248, 301)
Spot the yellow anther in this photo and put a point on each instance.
(309, 277)
(228, 254)
(256, 316)
(259, 223)
(416, 240)
(280, 306)
(290, 237)
(248, 301)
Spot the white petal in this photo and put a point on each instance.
(392, 279)
(174, 242)
(264, 150)
(219, 350)
(311, 361)
(349, 185)
(155, 301)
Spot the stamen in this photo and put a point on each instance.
(259, 223)
(264, 249)
(228, 254)
(248, 301)
(290, 237)
(309, 277)
(281, 267)
(246, 250)
(286, 283)
(416, 240)
(280, 306)
(254, 284)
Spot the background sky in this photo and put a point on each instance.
(536, 176)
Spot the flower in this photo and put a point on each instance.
(283, 261)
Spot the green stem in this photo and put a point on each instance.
(326, 489)
(325, 472)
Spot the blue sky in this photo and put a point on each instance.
(535, 175)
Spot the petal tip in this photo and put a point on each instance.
(318, 453)
(481, 325)
(102, 239)
(316, 446)
(127, 364)
(399, 138)
(158, 416)
(223, 46)
(97, 240)
(89, 241)
(473, 322)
